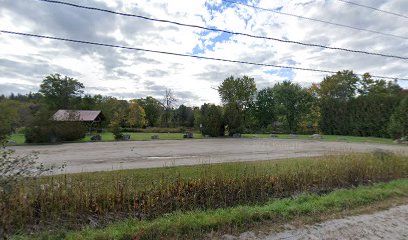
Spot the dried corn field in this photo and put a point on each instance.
(99, 198)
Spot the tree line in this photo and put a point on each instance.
(342, 104)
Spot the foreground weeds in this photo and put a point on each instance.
(82, 199)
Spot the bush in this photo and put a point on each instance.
(39, 134)
(117, 134)
(69, 131)
(43, 130)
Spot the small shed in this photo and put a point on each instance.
(92, 118)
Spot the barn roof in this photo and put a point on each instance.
(77, 115)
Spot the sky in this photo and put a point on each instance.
(127, 74)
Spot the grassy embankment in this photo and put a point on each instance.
(107, 136)
(192, 200)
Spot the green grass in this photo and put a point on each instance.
(196, 224)
(18, 138)
(108, 136)
(327, 138)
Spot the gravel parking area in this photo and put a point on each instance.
(389, 224)
(105, 156)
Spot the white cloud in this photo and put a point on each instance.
(128, 74)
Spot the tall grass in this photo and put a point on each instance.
(83, 199)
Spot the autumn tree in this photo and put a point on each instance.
(115, 125)
(153, 109)
(109, 105)
(136, 116)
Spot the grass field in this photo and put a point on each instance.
(19, 139)
(107, 136)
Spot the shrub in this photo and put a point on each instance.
(43, 130)
(14, 170)
(69, 131)
(38, 134)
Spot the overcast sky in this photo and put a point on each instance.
(24, 62)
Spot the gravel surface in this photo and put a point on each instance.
(390, 224)
(103, 156)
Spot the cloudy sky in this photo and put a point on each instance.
(24, 61)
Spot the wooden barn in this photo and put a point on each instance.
(92, 118)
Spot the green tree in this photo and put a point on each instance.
(265, 107)
(398, 126)
(369, 86)
(185, 116)
(310, 123)
(197, 117)
(88, 102)
(9, 118)
(115, 125)
(341, 86)
(61, 92)
(211, 120)
(153, 109)
(237, 95)
(293, 103)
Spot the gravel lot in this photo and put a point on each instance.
(102, 156)
(389, 224)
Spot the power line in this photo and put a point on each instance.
(316, 20)
(223, 31)
(182, 54)
(373, 8)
